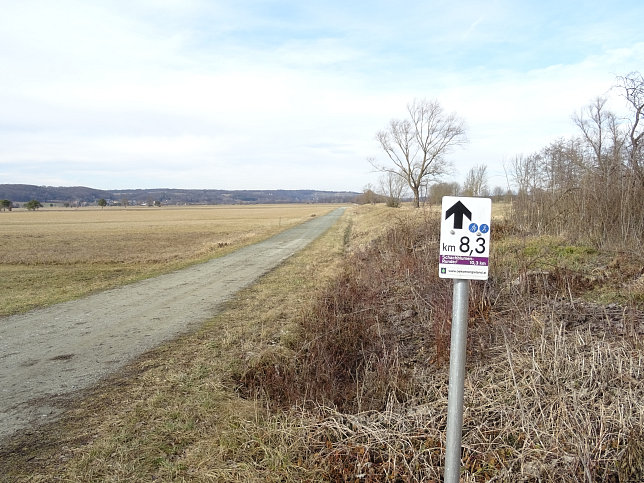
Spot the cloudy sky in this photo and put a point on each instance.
(289, 94)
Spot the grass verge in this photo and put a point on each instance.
(554, 379)
(176, 413)
(277, 389)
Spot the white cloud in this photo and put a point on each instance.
(273, 95)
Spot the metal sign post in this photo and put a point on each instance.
(464, 256)
(457, 355)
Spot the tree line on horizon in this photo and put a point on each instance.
(83, 196)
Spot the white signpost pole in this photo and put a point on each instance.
(464, 256)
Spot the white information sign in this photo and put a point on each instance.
(465, 238)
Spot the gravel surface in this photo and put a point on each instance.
(48, 354)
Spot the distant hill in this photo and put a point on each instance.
(75, 195)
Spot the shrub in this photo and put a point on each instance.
(372, 330)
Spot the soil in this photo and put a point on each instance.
(49, 355)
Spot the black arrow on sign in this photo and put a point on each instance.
(458, 209)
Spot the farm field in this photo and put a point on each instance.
(54, 255)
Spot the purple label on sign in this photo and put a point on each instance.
(463, 260)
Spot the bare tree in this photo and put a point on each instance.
(600, 132)
(563, 165)
(417, 146)
(590, 187)
(392, 186)
(476, 181)
(633, 85)
(528, 179)
(498, 193)
(526, 173)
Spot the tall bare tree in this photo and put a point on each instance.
(633, 86)
(392, 186)
(417, 145)
(476, 181)
(589, 187)
(601, 135)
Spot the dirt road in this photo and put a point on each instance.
(50, 353)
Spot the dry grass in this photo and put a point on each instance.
(367, 328)
(53, 255)
(175, 414)
(554, 384)
(557, 406)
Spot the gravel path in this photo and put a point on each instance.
(55, 351)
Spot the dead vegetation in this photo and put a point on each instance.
(334, 368)
(554, 384)
(589, 188)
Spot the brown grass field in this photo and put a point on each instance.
(333, 368)
(50, 255)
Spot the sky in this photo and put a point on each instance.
(210, 94)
